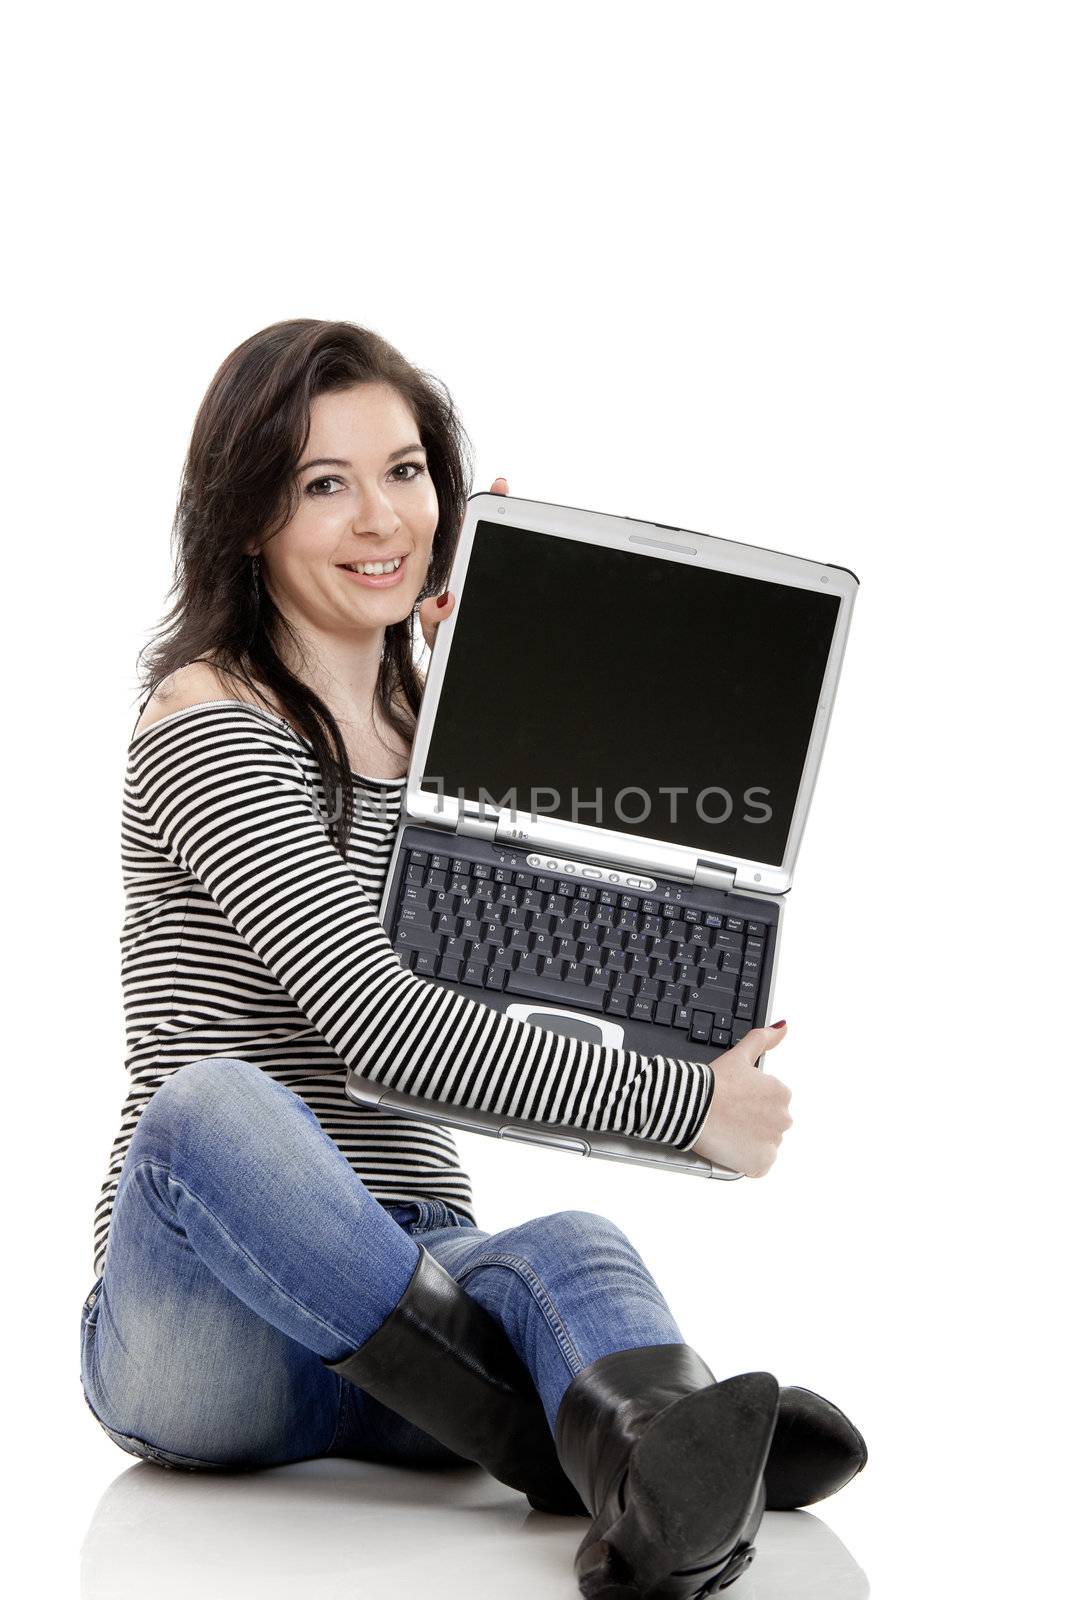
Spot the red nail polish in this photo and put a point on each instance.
(442, 599)
(780, 1024)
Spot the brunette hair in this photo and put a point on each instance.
(239, 486)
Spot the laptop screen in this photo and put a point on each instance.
(611, 688)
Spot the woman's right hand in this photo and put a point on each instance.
(748, 1110)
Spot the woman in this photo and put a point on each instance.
(279, 1272)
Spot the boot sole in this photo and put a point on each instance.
(681, 1522)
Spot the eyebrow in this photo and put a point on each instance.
(335, 461)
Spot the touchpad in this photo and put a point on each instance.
(578, 1027)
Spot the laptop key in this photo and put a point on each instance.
(411, 938)
(717, 987)
(701, 1027)
(618, 1003)
(425, 963)
(663, 1013)
(577, 997)
(475, 972)
(739, 1029)
(448, 967)
(642, 1008)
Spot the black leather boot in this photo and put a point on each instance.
(669, 1463)
(443, 1362)
(816, 1450)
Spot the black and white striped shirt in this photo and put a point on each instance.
(246, 934)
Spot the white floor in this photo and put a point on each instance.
(344, 1529)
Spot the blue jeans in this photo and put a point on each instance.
(243, 1249)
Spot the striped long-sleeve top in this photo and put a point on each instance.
(247, 934)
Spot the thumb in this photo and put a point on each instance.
(762, 1039)
(430, 614)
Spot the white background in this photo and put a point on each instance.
(799, 275)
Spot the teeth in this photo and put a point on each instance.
(374, 568)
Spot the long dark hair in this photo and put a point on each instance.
(239, 486)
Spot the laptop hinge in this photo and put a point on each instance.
(477, 827)
(712, 875)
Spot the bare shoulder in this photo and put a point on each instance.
(192, 685)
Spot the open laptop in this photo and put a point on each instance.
(614, 758)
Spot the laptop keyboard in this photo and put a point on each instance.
(582, 945)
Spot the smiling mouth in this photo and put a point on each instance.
(373, 569)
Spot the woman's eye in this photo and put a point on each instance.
(417, 466)
(312, 486)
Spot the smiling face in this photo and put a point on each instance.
(365, 496)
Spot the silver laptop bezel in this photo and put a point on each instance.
(648, 854)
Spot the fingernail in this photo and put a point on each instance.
(442, 599)
(780, 1024)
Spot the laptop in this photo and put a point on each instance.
(613, 763)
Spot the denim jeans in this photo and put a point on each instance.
(243, 1249)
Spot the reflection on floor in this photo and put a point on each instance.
(343, 1528)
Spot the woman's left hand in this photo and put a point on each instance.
(438, 607)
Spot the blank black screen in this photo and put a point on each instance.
(577, 665)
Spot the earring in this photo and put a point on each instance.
(255, 563)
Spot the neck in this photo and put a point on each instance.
(341, 670)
